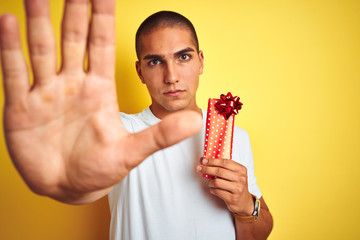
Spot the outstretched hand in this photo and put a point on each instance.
(64, 132)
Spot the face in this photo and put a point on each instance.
(170, 66)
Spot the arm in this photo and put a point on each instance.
(259, 229)
(231, 186)
(64, 132)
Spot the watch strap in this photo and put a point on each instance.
(246, 219)
(255, 214)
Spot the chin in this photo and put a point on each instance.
(176, 107)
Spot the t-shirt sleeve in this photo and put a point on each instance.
(247, 159)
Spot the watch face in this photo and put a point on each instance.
(256, 209)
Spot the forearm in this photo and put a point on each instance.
(259, 229)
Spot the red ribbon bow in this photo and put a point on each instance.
(228, 105)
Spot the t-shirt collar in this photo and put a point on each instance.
(151, 119)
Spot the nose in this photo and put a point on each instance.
(171, 75)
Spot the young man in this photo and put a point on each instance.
(67, 141)
(163, 198)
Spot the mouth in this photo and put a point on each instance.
(173, 93)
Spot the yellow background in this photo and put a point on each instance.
(296, 67)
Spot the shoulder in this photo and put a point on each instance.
(241, 146)
(241, 135)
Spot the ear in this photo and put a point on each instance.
(201, 57)
(138, 70)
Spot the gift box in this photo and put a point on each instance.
(220, 127)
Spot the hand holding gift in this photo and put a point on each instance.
(230, 183)
(220, 127)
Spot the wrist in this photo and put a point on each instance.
(254, 215)
(249, 209)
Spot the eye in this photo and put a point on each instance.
(154, 62)
(185, 57)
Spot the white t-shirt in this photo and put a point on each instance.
(164, 198)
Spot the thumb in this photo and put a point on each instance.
(171, 130)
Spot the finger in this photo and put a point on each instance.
(41, 40)
(14, 69)
(224, 168)
(102, 39)
(74, 35)
(222, 184)
(172, 129)
(220, 173)
(224, 163)
(223, 194)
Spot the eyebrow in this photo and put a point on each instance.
(155, 56)
(186, 50)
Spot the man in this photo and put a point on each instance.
(67, 141)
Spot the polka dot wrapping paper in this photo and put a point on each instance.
(218, 134)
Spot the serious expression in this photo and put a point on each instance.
(170, 66)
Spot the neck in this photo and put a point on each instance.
(161, 113)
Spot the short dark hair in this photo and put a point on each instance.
(164, 19)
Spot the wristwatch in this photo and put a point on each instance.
(255, 214)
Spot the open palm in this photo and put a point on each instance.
(64, 133)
